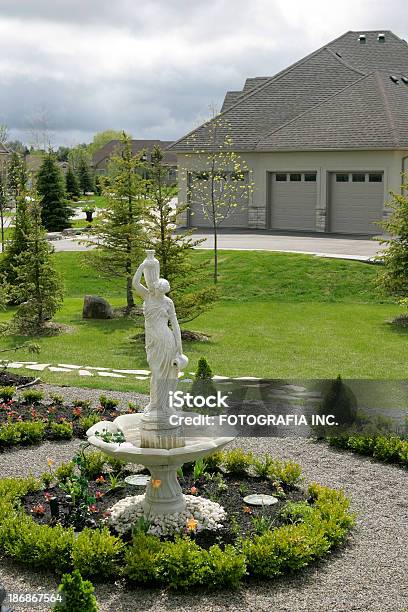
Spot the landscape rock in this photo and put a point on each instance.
(96, 307)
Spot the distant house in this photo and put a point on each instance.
(325, 139)
(101, 157)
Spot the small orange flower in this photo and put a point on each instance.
(98, 494)
(156, 484)
(100, 479)
(194, 490)
(192, 524)
(93, 509)
(50, 462)
(38, 509)
(247, 510)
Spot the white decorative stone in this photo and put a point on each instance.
(145, 372)
(58, 369)
(38, 366)
(70, 366)
(14, 365)
(111, 374)
(260, 500)
(84, 373)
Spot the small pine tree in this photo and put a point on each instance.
(85, 177)
(55, 212)
(76, 593)
(72, 184)
(37, 286)
(118, 230)
(3, 208)
(14, 169)
(203, 385)
(18, 244)
(393, 278)
(339, 401)
(173, 250)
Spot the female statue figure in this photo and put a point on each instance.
(163, 346)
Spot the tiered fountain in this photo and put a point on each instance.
(149, 437)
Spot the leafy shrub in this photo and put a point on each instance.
(57, 399)
(236, 461)
(226, 567)
(62, 431)
(296, 512)
(96, 553)
(22, 432)
(214, 461)
(90, 419)
(7, 393)
(182, 563)
(108, 403)
(32, 396)
(85, 404)
(141, 559)
(340, 401)
(77, 594)
(387, 448)
(64, 472)
(116, 465)
(262, 467)
(285, 472)
(91, 464)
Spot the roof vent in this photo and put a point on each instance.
(362, 39)
(381, 37)
(404, 79)
(338, 54)
(394, 79)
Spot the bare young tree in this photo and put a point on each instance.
(4, 133)
(219, 181)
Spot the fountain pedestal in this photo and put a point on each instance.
(163, 491)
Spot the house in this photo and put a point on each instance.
(100, 160)
(4, 155)
(325, 140)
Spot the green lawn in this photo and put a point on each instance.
(279, 315)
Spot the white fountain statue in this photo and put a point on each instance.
(148, 438)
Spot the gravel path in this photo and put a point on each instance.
(368, 575)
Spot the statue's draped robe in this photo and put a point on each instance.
(161, 353)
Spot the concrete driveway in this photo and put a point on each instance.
(330, 245)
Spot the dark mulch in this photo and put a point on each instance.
(240, 520)
(7, 379)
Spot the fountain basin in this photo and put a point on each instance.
(163, 492)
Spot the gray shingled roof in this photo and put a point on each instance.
(137, 146)
(370, 114)
(256, 115)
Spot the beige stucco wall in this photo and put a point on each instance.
(322, 162)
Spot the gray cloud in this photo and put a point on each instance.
(154, 68)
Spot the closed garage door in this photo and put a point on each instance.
(356, 202)
(293, 200)
(235, 210)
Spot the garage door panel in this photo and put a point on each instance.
(356, 206)
(292, 203)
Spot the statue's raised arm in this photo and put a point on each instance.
(137, 285)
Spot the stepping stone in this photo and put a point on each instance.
(84, 373)
(111, 374)
(260, 500)
(137, 480)
(94, 368)
(141, 377)
(39, 366)
(29, 362)
(58, 369)
(14, 365)
(247, 378)
(132, 371)
(216, 377)
(69, 366)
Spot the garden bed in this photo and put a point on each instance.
(14, 380)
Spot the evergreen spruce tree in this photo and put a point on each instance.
(72, 184)
(37, 286)
(118, 230)
(55, 212)
(3, 208)
(203, 382)
(85, 177)
(14, 171)
(175, 250)
(77, 594)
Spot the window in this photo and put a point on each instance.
(281, 177)
(375, 177)
(342, 178)
(358, 178)
(295, 177)
(310, 178)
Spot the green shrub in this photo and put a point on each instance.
(214, 461)
(96, 554)
(387, 448)
(57, 399)
(62, 431)
(91, 419)
(116, 465)
(340, 401)
(262, 467)
(182, 564)
(64, 472)
(226, 567)
(32, 396)
(39, 546)
(361, 443)
(7, 393)
(85, 404)
(107, 403)
(22, 432)
(236, 461)
(296, 512)
(76, 593)
(285, 472)
(141, 559)
(92, 464)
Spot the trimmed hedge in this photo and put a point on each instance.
(388, 448)
(317, 528)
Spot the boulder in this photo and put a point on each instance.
(96, 307)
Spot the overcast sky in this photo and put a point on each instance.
(155, 67)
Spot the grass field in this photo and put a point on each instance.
(279, 316)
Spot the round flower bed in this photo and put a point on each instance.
(251, 542)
